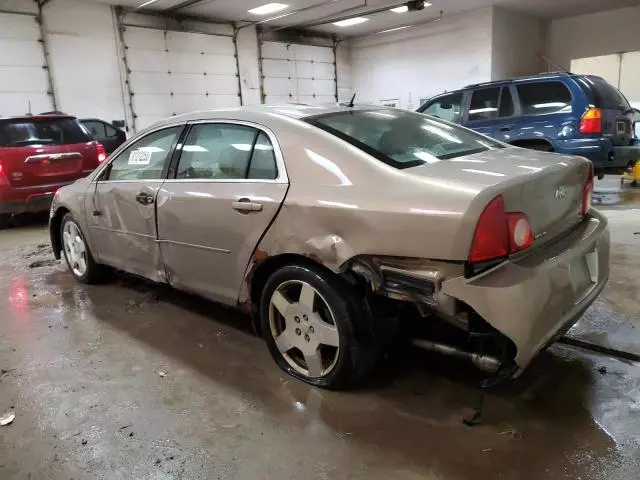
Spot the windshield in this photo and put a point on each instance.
(49, 131)
(403, 139)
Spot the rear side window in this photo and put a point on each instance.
(447, 107)
(226, 151)
(607, 96)
(49, 131)
(544, 97)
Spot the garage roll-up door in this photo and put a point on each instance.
(298, 73)
(23, 78)
(172, 72)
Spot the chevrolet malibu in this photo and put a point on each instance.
(325, 222)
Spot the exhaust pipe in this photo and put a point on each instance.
(486, 363)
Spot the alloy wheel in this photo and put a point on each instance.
(304, 328)
(75, 248)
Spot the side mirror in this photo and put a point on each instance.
(118, 123)
(446, 106)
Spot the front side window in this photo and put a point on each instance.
(42, 131)
(145, 159)
(544, 97)
(447, 107)
(226, 151)
(403, 139)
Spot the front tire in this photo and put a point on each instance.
(77, 253)
(309, 320)
(5, 220)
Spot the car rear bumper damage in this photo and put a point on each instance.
(529, 301)
(535, 299)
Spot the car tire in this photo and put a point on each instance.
(77, 255)
(346, 355)
(5, 220)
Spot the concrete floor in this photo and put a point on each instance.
(81, 368)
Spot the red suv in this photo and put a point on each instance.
(38, 155)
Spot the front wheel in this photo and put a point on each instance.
(309, 321)
(76, 252)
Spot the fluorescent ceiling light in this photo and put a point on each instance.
(401, 9)
(268, 8)
(350, 21)
(145, 4)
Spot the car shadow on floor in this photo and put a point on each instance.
(412, 406)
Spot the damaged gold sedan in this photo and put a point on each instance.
(325, 222)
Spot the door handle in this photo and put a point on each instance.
(144, 198)
(245, 205)
(505, 129)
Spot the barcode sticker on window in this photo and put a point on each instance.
(140, 157)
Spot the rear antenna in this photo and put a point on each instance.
(350, 104)
(30, 113)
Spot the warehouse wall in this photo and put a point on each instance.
(422, 61)
(516, 44)
(86, 67)
(591, 35)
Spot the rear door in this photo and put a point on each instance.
(228, 185)
(121, 206)
(45, 151)
(492, 112)
(546, 106)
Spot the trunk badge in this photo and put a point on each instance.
(561, 192)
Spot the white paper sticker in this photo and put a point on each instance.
(140, 157)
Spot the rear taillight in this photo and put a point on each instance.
(102, 154)
(587, 191)
(520, 233)
(499, 233)
(591, 121)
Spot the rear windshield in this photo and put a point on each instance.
(49, 131)
(603, 94)
(403, 139)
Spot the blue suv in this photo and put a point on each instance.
(555, 112)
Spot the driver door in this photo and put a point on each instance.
(121, 206)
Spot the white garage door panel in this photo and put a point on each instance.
(148, 60)
(311, 53)
(173, 72)
(298, 73)
(22, 76)
(199, 43)
(150, 82)
(20, 52)
(279, 87)
(277, 68)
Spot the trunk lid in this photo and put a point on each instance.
(45, 150)
(547, 187)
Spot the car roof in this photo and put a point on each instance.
(45, 116)
(264, 112)
(537, 76)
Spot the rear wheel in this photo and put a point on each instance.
(77, 253)
(309, 323)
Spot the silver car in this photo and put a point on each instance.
(326, 222)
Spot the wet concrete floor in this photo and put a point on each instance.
(82, 369)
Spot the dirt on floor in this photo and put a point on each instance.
(131, 380)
